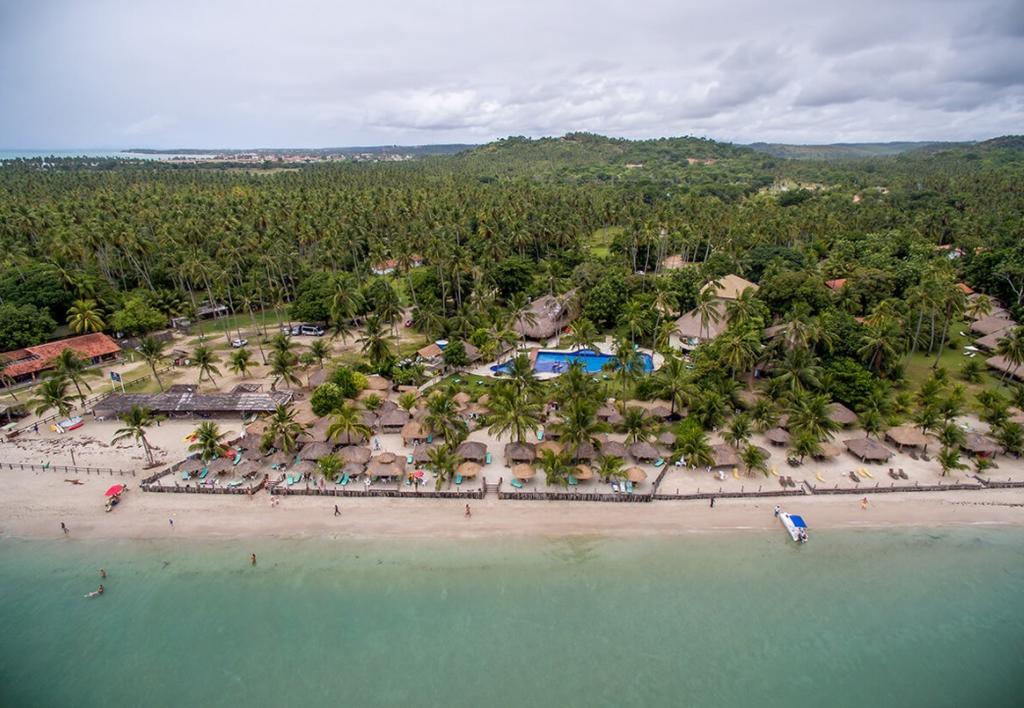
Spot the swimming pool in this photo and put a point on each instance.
(556, 362)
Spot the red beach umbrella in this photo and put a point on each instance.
(114, 491)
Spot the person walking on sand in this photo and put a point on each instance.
(337, 511)
(252, 558)
(778, 510)
(171, 522)
(64, 528)
(468, 512)
(864, 503)
(712, 502)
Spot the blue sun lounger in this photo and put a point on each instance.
(408, 459)
(516, 483)
(458, 479)
(238, 458)
(206, 471)
(235, 483)
(487, 459)
(540, 434)
(629, 487)
(572, 481)
(659, 462)
(344, 480)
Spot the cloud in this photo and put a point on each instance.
(251, 73)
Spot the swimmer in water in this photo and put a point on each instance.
(94, 593)
(103, 573)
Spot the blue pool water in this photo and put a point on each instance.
(557, 362)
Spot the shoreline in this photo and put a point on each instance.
(144, 516)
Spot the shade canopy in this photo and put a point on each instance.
(583, 472)
(635, 474)
(524, 471)
(472, 450)
(354, 453)
(644, 451)
(907, 436)
(867, 449)
(520, 452)
(315, 450)
(613, 449)
(114, 490)
(550, 445)
(777, 436)
(469, 469)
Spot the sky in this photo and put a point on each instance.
(303, 73)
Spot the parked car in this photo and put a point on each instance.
(310, 330)
(239, 343)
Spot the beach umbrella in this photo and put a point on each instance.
(114, 491)
(418, 474)
(523, 471)
(635, 475)
(353, 469)
(583, 472)
(551, 445)
(469, 469)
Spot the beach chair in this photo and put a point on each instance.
(572, 481)
(854, 477)
(206, 471)
(345, 480)
(659, 462)
(629, 487)
(238, 458)
(517, 484)
(458, 479)
(487, 459)
(540, 434)
(235, 483)
(185, 475)
(430, 438)
(289, 480)
(615, 487)
(408, 459)
(902, 474)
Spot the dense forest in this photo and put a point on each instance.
(126, 245)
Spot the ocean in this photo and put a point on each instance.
(869, 618)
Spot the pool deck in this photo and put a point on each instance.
(532, 349)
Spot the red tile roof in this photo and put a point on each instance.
(967, 290)
(836, 284)
(32, 359)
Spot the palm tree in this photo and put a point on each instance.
(579, 426)
(754, 458)
(927, 419)
(375, 343)
(52, 394)
(1010, 436)
(136, 420)
(675, 383)
(282, 343)
(282, 368)
(319, 351)
(407, 401)
(952, 436)
(521, 374)
(739, 430)
(240, 362)
(556, 466)
(443, 418)
(693, 446)
(763, 415)
(444, 463)
(809, 414)
(1011, 348)
(634, 318)
(880, 344)
(348, 421)
(207, 441)
(85, 316)
(798, 371)
(871, 422)
(627, 365)
(330, 466)
(283, 431)
(709, 407)
(206, 360)
(610, 467)
(949, 459)
(740, 349)
(521, 313)
(512, 413)
(582, 335)
(636, 424)
(803, 444)
(152, 351)
(708, 309)
(71, 367)
(980, 306)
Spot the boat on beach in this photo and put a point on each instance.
(795, 526)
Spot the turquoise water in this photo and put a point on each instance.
(593, 362)
(922, 618)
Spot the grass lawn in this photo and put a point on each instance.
(601, 240)
(242, 320)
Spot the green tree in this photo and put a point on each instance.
(347, 420)
(282, 368)
(134, 425)
(152, 351)
(326, 398)
(240, 362)
(754, 459)
(85, 316)
(512, 414)
(23, 326)
(319, 351)
(283, 430)
(330, 466)
(204, 358)
(375, 342)
(52, 394)
(73, 369)
(137, 316)
(207, 440)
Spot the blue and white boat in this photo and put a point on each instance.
(795, 525)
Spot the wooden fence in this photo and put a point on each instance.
(892, 488)
(281, 490)
(67, 469)
(996, 484)
(721, 494)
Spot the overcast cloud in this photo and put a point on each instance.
(296, 73)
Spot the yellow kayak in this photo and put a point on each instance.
(774, 471)
(818, 475)
(866, 473)
(735, 473)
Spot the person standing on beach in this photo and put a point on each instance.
(468, 512)
(171, 522)
(252, 558)
(64, 528)
(864, 503)
(778, 510)
(337, 511)
(712, 502)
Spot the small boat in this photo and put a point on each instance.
(795, 525)
(71, 423)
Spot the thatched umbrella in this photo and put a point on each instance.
(667, 438)
(828, 451)
(386, 465)
(279, 458)
(551, 445)
(583, 472)
(907, 436)
(315, 450)
(613, 449)
(318, 431)
(305, 467)
(777, 436)
(393, 421)
(354, 453)
(377, 383)
(868, 450)
(469, 469)
(349, 438)
(220, 465)
(421, 453)
(635, 475)
(978, 444)
(412, 431)
(192, 466)
(524, 471)
(724, 456)
(585, 451)
(516, 452)
(353, 469)
(644, 451)
(840, 414)
(472, 451)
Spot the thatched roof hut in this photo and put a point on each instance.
(777, 436)
(353, 469)
(586, 452)
(393, 421)
(691, 329)
(317, 432)
(469, 469)
(729, 287)
(461, 399)
(472, 450)
(386, 465)
(413, 432)
(613, 449)
(644, 451)
(421, 453)
(582, 472)
(551, 445)
(1005, 366)
(991, 325)
(724, 456)
(192, 466)
(279, 458)
(523, 471)
(635, 475)
(840, 414)
(981, 446)
(907, 436)
(667, 438)
(550, 315)
(317, 378)
(606, 411)
(349, 438)
(516, 452)
(220, 465)
(828, 451)
(315, 450)
(354, 453)
(868, 450)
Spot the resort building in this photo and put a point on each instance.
(692, 329)
(550, 316)
(26, 364)
(186, 401)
